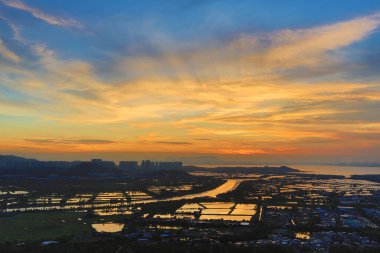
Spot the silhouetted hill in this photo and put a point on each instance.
(263, 170)
(6, 159)
(233, 169)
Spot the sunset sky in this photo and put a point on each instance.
(202, 81)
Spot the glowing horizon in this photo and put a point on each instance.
(248, 80)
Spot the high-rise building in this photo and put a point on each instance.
(128, 165)
(147, 164)
(104, 164)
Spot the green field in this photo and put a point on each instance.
(43, 226)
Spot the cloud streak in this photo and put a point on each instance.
(174, 142)
(81, 141)
(8, 54)
(16, 32)
(50, 19)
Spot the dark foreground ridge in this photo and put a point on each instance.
(163, 246)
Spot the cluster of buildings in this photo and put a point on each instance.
(13, 162)
(17, 163)
(373, 213)
(319, 241)
(103, 164)
(150, 165)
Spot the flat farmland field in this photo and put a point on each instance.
(43, 226)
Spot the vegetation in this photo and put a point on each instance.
(43, 226)
(120, 245)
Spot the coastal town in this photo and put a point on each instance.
(190, 126)
(259, 209)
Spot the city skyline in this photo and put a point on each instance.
(198, 81)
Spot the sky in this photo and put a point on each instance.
(288, 81)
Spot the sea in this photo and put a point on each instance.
(312, 169)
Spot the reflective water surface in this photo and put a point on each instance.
(109, 227)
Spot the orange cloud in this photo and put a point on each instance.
(236, 98)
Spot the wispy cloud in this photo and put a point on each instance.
(174, 142)
(50, 19)
(8, 54)
(80, 141)
(291, 48)
(256, 55)
(16, 32)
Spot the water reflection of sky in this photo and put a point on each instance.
(109, 227)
